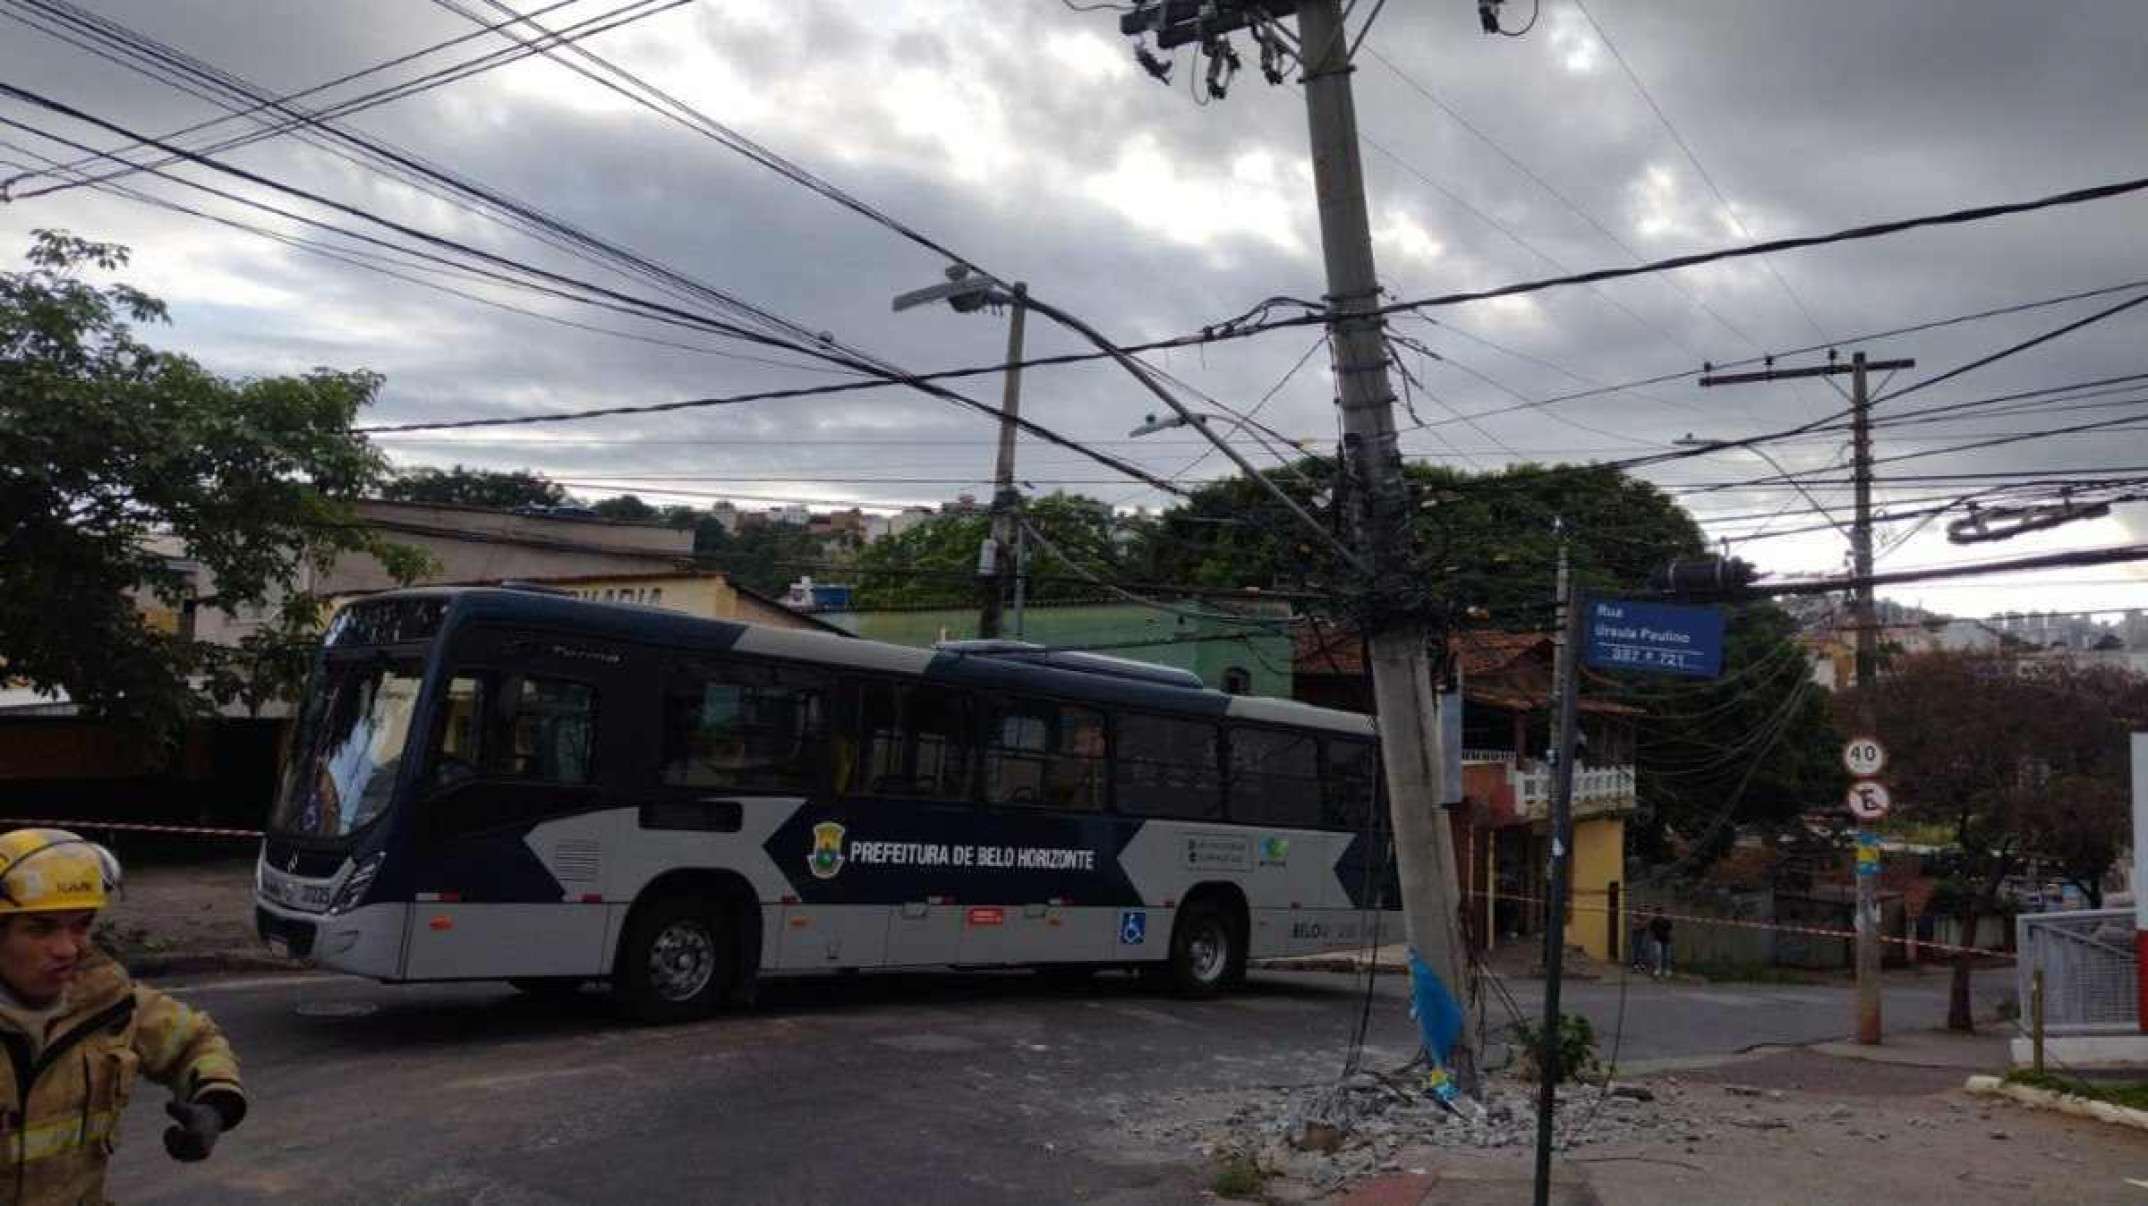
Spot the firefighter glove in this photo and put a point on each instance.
(198, 1127)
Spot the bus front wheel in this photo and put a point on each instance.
(674, 961)
(1205, 952)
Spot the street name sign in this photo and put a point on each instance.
(1864, 756)
(1621, 634)
(1869, 801)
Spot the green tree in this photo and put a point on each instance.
(935, 562)
(1754, 747)
(624, 506)
(766, 557)
(1486, 543)
(116, 457)
(2015, 757)
(467, 487)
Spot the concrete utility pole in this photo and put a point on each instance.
(1866, 623)
(967, 291)
(1868, 918)
(1004, 499)
(1403, 697)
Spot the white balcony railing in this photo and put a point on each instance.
(1597, 789)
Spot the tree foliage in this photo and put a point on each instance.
(466, 487)
(935, 562)
(115, 458)
(2016, 757)
(625, 506)
(766, 557)
(1757, 746)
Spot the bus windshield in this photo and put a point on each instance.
(348, 748)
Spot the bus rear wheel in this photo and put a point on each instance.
(1205, 951)
(676, 961)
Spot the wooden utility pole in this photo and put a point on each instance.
(1405, 703)
(1866, 622)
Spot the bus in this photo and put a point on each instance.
(513, 784)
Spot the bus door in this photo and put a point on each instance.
(906, 783)
(532, 739)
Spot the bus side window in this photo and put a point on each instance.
(1045, 754)
(1275, 778)
(459, 758)
(1167, 767)
(913, 740)
(1352, 783)
(744, 728)
(550, 729)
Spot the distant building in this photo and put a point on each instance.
(704, 593)
(907, 518)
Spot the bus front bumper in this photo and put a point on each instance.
(367, 941)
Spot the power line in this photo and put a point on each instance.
(830, 351)
(1729, 210)
(1851, 234)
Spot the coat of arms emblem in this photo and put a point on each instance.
(827, 857)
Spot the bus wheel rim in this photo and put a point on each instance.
(1206, 952)
(682, 960)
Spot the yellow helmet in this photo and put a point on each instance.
(50, 870)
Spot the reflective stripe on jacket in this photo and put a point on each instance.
(59, 1112)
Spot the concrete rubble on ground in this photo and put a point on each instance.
(1313, 1140)
(1325, 1136)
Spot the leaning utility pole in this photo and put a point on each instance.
(1398, 640)
(1406, 706)
(1866, 622)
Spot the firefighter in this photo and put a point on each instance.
(77, 1031)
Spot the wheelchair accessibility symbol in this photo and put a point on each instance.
(1133, 928)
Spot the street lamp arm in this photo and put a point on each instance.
(1189, 419)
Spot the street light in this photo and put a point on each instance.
(968, 291)
(1150, 425)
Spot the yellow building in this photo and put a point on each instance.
(705, 593)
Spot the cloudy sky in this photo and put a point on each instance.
(1021, 134)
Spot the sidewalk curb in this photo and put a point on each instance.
(1323, 963)
(2064, 1103)
(200, 963)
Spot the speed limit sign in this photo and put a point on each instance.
(1869, 801)
(1865, 756)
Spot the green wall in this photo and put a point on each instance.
(1264, 652)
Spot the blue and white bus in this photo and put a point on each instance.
(512, 784)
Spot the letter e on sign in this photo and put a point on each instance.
(1868, 801)
(1864, 756)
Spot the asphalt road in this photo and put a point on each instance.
(944, 1089)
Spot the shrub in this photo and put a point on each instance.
(1577, 1049)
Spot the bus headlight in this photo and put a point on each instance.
(354, 887)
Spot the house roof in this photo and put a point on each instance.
(1501, 669)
